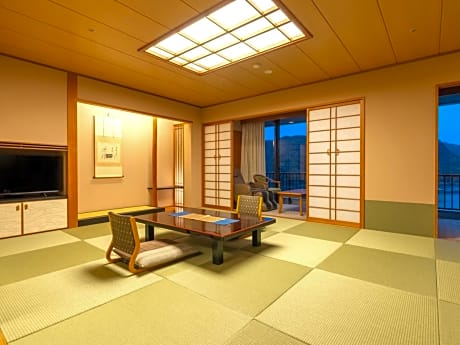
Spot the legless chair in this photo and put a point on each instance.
(249, 205)
(2, 338)
(141, 256)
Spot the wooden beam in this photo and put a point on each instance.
(72, 170)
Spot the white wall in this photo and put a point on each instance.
(92, 91)
(33, 103)
(130, 190)
(400, 121)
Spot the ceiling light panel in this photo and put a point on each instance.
(235, 31)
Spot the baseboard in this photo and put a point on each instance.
(105, 218)
(400, 217)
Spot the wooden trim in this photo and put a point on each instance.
(72, 154)
(436, 163)
(31, 146)
(154, 193)
(271, 115)
(131, 110)
(437, 91)
(334, 222)
(363, 166)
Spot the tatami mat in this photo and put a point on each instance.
(244, 282)
(256, 333)
(26, 265)
(283, 224)
(159, 314)
(406, 272)
(290, 211)
(448, 250)
(327, 232)
(448, 281)
(36, 303)
(297, 249)
(90, 231)
(15, 245)
(329, 309)
(101, 242)
(449, 321)
(392, 242)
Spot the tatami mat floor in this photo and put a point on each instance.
(308, 283)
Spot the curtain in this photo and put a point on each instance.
(252, 149)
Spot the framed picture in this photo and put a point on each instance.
(107, 147)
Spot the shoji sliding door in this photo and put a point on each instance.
(335, 164)
(217, 165)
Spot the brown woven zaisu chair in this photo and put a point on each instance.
(141, 256)
(249, 205)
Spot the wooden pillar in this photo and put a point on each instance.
(154, 194)
(72, 171)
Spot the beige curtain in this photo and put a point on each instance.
(252, 149)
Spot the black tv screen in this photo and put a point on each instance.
(27, 172)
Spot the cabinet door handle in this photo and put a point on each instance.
(26, 206)
(17, 207)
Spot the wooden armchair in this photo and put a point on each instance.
(141, 256)
(267, 183)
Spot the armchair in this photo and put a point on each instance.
(266, 183)
(240, 187)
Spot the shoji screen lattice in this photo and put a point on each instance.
(217, 161)
(335, 161)
(179, 165)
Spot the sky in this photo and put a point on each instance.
(287, 130)
(449, 123)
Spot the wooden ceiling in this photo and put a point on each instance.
(101, 39)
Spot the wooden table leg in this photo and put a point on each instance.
(217, 252)
(149, 232)
(280, 203)
(300, 205)
(256, 238)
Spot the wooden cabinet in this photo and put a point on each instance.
(44, 215)
(10, 219)
(28, 217)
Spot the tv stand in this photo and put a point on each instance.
(38, 214)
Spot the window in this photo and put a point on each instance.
(285, 155)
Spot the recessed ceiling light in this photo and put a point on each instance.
(256, 66)
(268, 71)
(237, 30)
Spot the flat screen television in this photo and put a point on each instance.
(25, 172)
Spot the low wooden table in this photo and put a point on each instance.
(293, 193)
(203, 222)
